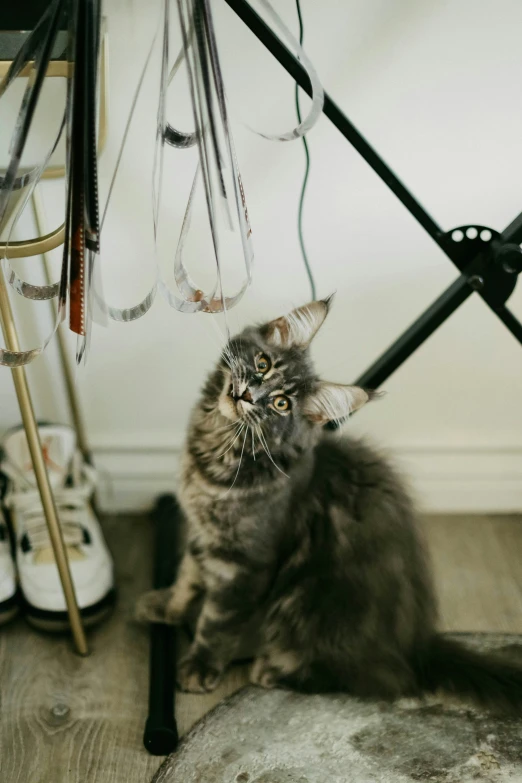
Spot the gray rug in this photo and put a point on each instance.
(262, 736)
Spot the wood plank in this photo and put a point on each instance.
(478, 571)
(65, 719)
(68, 720)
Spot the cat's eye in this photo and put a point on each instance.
(263, 364)
(281, 403)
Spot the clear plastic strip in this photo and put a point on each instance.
(42, 53)
(39, 48)
(317, 89)
(134, 312)
(192, 298)
(29, 290)
(126, 314)
(216, 149)
(173, 137)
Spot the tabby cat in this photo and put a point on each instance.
(308, 536)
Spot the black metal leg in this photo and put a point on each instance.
(413, 337)
(513, 232)
(512, 323)
(161, 733)
(416, 334)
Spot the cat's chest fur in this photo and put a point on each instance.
(217, 517)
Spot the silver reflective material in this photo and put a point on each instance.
(217, 171)
(317, 89)
(218, 166)
(28, 290)
(36, 49)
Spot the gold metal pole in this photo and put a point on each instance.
(67, 370)
(34, 247)
(40, 472)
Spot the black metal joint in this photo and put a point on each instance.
(509, 258)
(489, 263)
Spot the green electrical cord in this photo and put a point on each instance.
(307, 169)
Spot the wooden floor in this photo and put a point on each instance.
(69, 720)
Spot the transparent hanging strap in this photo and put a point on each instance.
(32, 49)
(239, 193)
(215, 156)
(25, 289)
(136, 311)
(299, 53)
(218, 165)
(21, 358)
(179, 139)
(132, 313)
(37, 48)
(173, 137)
(170, 296)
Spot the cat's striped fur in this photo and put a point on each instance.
(306, 537)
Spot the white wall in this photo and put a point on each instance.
(434, 87)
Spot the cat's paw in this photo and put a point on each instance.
(152, 607)
(264, 674)
(274, 667)
(197, 675)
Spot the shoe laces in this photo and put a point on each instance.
(70, 502)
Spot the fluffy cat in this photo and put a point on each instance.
(310, 537)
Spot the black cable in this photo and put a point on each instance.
(307, 169)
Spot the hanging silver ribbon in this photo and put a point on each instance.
(217, 170)
(299, 53)
(37, 49)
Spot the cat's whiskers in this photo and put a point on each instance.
(217, 334)
(234, 438)
(226, 360)
(231, 356)
(264, 444)
(226, 353)
(227, 426)
(239, 466)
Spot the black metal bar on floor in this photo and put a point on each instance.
(161, 732)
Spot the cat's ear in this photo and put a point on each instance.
(298, 328)
(333, 401)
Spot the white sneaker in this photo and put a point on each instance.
(9, 601)
(73, 483)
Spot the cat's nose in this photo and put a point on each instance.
(240, 394)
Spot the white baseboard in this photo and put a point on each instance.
(130, 479)
(465, 480)
(484, 479)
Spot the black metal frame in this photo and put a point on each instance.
(488, 261)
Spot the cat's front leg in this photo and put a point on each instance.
(171, 604)
(233, 591)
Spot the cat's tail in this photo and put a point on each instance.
(488, 680)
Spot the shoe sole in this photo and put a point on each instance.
(57, 622)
